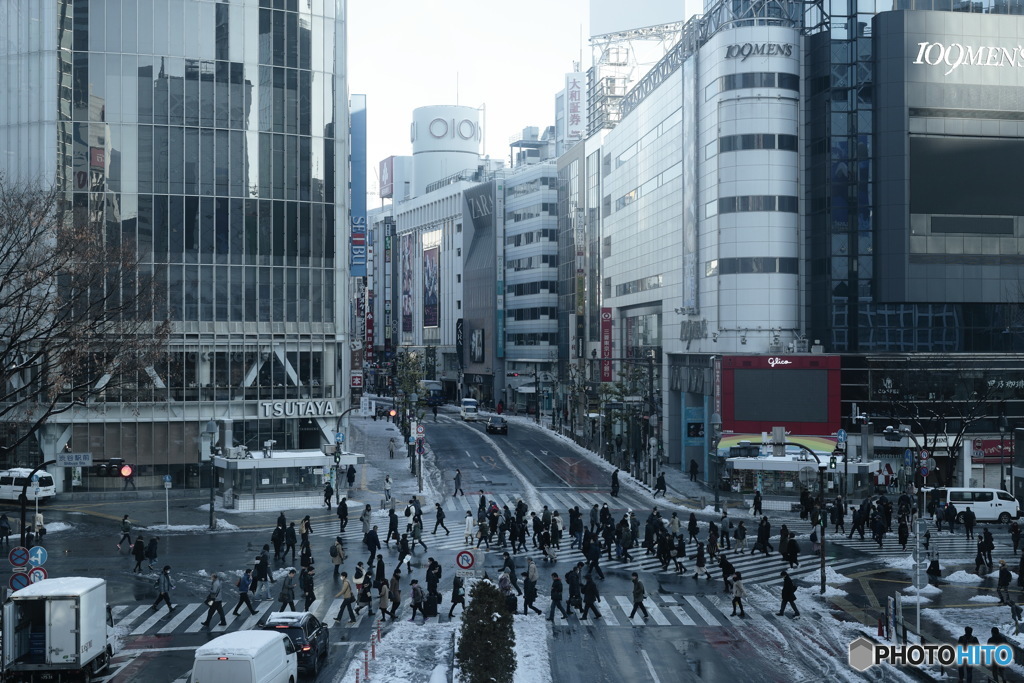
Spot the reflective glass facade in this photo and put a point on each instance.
(204, 133)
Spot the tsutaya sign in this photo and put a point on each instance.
(956, 55)
(297, 408)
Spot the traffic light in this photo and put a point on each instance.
(832, 463)
(127, 471)
(392, 412)
(337, 458)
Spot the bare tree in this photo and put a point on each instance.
(936, 397)
(77, 311)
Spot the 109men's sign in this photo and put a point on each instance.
(956, 55)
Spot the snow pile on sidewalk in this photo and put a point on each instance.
(963, 577)
(832, 576)
(927, 590)
(983, 598)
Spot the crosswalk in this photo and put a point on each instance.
(700, 610)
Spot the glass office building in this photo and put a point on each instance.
(212, 136)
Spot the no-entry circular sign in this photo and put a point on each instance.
(465, 559)
(36, 574)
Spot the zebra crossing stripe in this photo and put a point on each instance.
(656, 614)
(701, 610)
(626, 605)
(148, 623)
(181, 614)
(131, 616)
(607, 613)
(262, 609)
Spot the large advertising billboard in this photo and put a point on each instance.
(387, 178)
(431, 287)
(405, 253)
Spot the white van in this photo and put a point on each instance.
(988, 505)
(469, 410)
(247, 657)
(12, 482)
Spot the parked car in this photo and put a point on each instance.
(310, 636)
(497, 425)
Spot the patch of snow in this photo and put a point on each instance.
(899, 562)
(222, 525)
(927, 590)
(915, 599)
(532, 650)
(832, 576)
(962, 577)
(57, 527)
(832, 592)
(983, 598)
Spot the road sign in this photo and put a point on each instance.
(468, 573)
(18, 556)
(921, 577)
(420, 450)
(465, 559)
(922, 526)
(419, 430)
(841, 436)
(18, 581)
(167, 478)
(412, 440)
(908, 457)
(924, 471)
(74, 459)
(924, 455)
(36, 574)
(37, 556)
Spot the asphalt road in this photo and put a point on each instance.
(690, 635)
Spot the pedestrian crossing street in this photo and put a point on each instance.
(704, 610)
(945, 543)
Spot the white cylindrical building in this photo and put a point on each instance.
(445, 140)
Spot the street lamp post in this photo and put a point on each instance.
(716, 438)
(1002, 452)
(210, 430)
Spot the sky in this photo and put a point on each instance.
(511, 57)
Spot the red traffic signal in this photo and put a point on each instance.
(127, 471)
(392, 412)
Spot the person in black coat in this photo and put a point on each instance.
(289, 541)
(139, 553)
(757, 503)
(459, 595)
(379, 576)
(342, 514)
(590, 598)
(372, 543)
(788, 595)
(615, 483)
(691, 527)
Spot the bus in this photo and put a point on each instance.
(12, 481)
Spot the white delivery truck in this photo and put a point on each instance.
(247, 657)
(56, 630)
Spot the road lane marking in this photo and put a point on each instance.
(700, 609)
(132, 616)
(650, 666)
(182, 615)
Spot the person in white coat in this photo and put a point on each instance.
(470, 526)
(738, 593)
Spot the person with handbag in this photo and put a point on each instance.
(458, 595)
(287, 595)
(215, 601)
(347, 598)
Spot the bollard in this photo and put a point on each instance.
(373, 649)
(357, 675)
(366, 665)
(378, 631)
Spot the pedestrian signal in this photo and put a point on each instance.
(127, 471)
(832, 463)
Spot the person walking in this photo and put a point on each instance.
(639, 593)
(139, 553)
(152, 551)
(529, 593)
(469, 532)
(277, 538)
(347, 598)
(289, 541)
(965, 672)
(164, 586)
(372, 543)
(305, 529)
(458, 595)
(692, 528)
(757, 504)
(615, 483)
(741, 538)
(328, 494)
(458, 484)
(337, 553)
(693, 470)
(1003, 583)
(287, 594)
(701, 564)
(126, 532)
(418, 598)
(969, 520)
(391, 448)
(5, 529)
(788, 594)
(350, 475)
(243, 584)
(1014, 534)
(738, 593)
(395, 590)
(556, 598)
(215, 601)
(593, 559)
(384, 600)
(509, 566)
(262, 575)
(439, 519)
(590, 599)
(660, 485)
(342, 515)
(366, 518)
(998, 671)
(308, 586)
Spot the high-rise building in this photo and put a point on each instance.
(214, 137)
